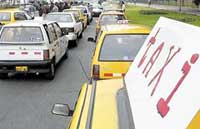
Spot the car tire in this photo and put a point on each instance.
(51, 74)
(66, 54)
(81, 35)
(88, 22)
(74, 43)
(3, 76)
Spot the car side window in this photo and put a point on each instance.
(76, 17)
(52, 31)
(20, 16)
(48, 34)
(58, 30)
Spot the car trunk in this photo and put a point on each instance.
(113, 69)
(21, 52)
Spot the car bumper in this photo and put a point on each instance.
(32, 66)
(72, 36)
(96, 14)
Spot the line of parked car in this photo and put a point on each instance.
(103, 101)
(36, 46)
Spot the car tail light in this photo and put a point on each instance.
(95, 72)
(46, 54)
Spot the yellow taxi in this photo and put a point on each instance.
(127, 103)
(82, 16)
(11, 15)
(109, 17)
(104, 104)
(97, 107)
(117, 45)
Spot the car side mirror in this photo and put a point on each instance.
(91, 39)
(61, 110)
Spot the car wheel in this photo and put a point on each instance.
(3, 76)
(81, 35)
(88, 22)
(74, 43)
(51, 74)
(66, 54)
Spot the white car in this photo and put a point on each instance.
(86, 11)
(69, 22)
(31, 47)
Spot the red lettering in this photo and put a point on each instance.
(151, 42)
(160, 72)
(153, 59)
(162, 105)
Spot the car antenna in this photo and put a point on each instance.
(84, 71)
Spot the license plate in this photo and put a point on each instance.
(21, 68)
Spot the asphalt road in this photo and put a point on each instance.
(26, 102)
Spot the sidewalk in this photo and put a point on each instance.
(187, 10)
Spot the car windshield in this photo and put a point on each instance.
(59, 17)
(121, 47)
(21, 34)
(4, 16)
(111, 19)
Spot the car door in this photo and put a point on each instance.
(78, 24)
(54, 44)
(61, 40)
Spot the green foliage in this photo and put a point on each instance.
(149, 16)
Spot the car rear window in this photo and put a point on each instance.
(121, 47)
(83, 9)
(5, 16)
(111, 19)
(21, 35)
(73, 11)
(59, 17)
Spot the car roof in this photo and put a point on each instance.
(112, 12)
(123, 28)
(61, 13)
(71, 9)
(77, 6)
(11, 10)
(29, 23)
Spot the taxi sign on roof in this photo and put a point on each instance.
(163, 82)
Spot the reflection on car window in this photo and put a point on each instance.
(21, 34)
(121, 47)
(4, 16)
(111, 19)
(59, 17)
(73, 11)
(20, 16)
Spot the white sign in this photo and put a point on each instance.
(163, 82)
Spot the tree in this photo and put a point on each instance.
(197, 2)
